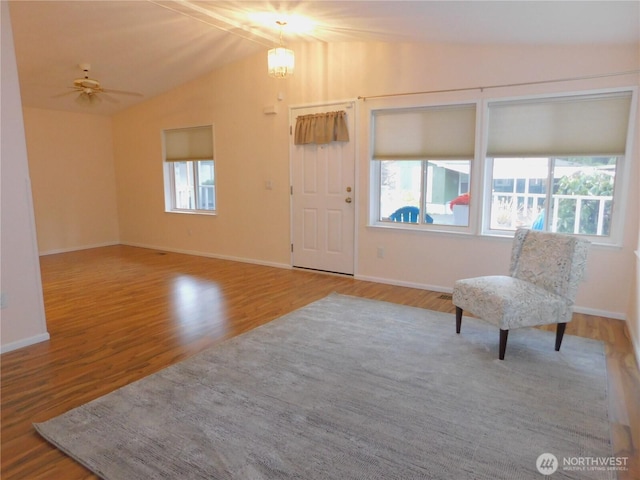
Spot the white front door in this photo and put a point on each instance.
(323, 199)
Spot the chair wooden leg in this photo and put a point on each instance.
(559, 334)
(458, 319)
(503, 343)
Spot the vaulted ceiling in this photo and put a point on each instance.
(152, 46)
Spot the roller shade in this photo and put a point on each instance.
(585, 125)
(188, 144)
(433, 133)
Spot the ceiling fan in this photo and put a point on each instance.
(91, 92)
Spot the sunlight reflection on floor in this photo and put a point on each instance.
(198, 306)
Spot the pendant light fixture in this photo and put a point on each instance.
(280, 60)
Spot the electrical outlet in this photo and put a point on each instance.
(3, 300)
(380, 252)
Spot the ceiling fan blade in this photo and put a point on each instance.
(122, 92)
(65, 93)
(91, 92)
(83, 99)
(108, 97)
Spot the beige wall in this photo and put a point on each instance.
(81, 152)
(253, 223)
(75, 152)
(73, 177)
(250, 148)
(633, 315)
(23, 320)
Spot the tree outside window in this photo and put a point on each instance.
(582, 194)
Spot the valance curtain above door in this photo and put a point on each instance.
(321, 128)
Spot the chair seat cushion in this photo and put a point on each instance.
(509, 302)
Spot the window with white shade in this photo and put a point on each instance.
(189, 170)
(421, 164)
(556, 163)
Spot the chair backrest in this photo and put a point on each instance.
(553, 261)
(409, 215)
(405, 215)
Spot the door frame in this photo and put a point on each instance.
(349, 104)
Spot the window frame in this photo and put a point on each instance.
(549, 198)
(170, 199)
(374, 219)
(423, 196)
(480, 173)
(623, 168)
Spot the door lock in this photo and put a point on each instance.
(348, 200)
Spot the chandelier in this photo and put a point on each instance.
(280, 60)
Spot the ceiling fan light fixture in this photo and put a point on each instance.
(87, 83)
(91, 92)
(87, 99)
(280, 60)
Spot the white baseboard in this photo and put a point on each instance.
(75, 249)
(387, 281)
(401, 283)
(211, 255)
(600, 313)
(439, 288)
(25, 342)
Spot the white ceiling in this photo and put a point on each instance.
(152, 46)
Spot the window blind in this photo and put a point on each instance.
(584, 125)
(432, 133)
(188, 144)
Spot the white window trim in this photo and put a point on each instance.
(623, 170)
(169, 196)
(479, 170)
(169, 177)
(374, 165)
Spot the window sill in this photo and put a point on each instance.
(422, 228)
(595, 241)
(193, 212)
(468, 232)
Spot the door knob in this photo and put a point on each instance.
(348, 199)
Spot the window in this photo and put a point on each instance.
(421, 164)
(579, 190)
(189, 170)
(408, 187)
(555, 164)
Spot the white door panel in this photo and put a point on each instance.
(323, 209)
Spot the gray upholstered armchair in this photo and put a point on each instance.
(540, 289)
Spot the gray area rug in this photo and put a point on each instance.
(348, 388)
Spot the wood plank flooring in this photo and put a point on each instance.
(116, 314)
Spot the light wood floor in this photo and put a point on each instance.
(117, 314)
